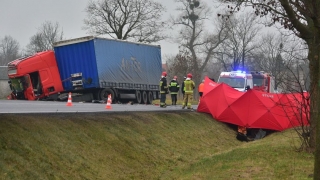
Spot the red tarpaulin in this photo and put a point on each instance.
(253, 109)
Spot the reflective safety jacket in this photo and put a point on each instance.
(163, 85)
(188, 86)
(201, 87)
(174, 87)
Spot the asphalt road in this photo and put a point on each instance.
(22, 106)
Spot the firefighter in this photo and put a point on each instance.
(182, 87)
(242, 134)
(174, 89)
(200, 88)
(188, 91)
(163, 89)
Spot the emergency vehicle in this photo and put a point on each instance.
(263, 82)
(239, 80)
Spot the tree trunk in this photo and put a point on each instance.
(316, 120)
(314, 63)
(314, 73)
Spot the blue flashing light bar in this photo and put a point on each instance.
(240, 71)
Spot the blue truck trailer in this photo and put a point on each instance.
(92, 68)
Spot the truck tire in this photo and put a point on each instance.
(150, 97)
(104, 94)
(138, 97)
(144, 97)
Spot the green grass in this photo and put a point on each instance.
(170, 145)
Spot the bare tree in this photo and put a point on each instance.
(243, 32)
(268, 57)
(194, 38)
(277, 53)
(295, 82)
(136, 20)
(9, 50)
(180, 65)
(302, 18)
(286, 58)
(213, 70)
(43, 40)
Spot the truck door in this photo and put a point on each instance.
(28, 88)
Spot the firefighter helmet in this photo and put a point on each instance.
(189, 75)
(164, 74)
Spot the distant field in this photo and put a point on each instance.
(172, 145)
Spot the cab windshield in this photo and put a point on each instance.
(18, 84)
(233, 82)
(258, 81)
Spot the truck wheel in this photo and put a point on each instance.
(104, 94)
(138, 97)
(150, 97)
(144, 97)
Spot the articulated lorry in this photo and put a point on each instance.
(91, 68)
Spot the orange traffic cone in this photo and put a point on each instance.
(108, 106)
(69, 103)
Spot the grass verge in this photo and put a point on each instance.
(170, 145)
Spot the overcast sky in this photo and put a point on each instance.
(21, 18)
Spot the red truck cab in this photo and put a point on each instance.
(34, 77)
(263, 82)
